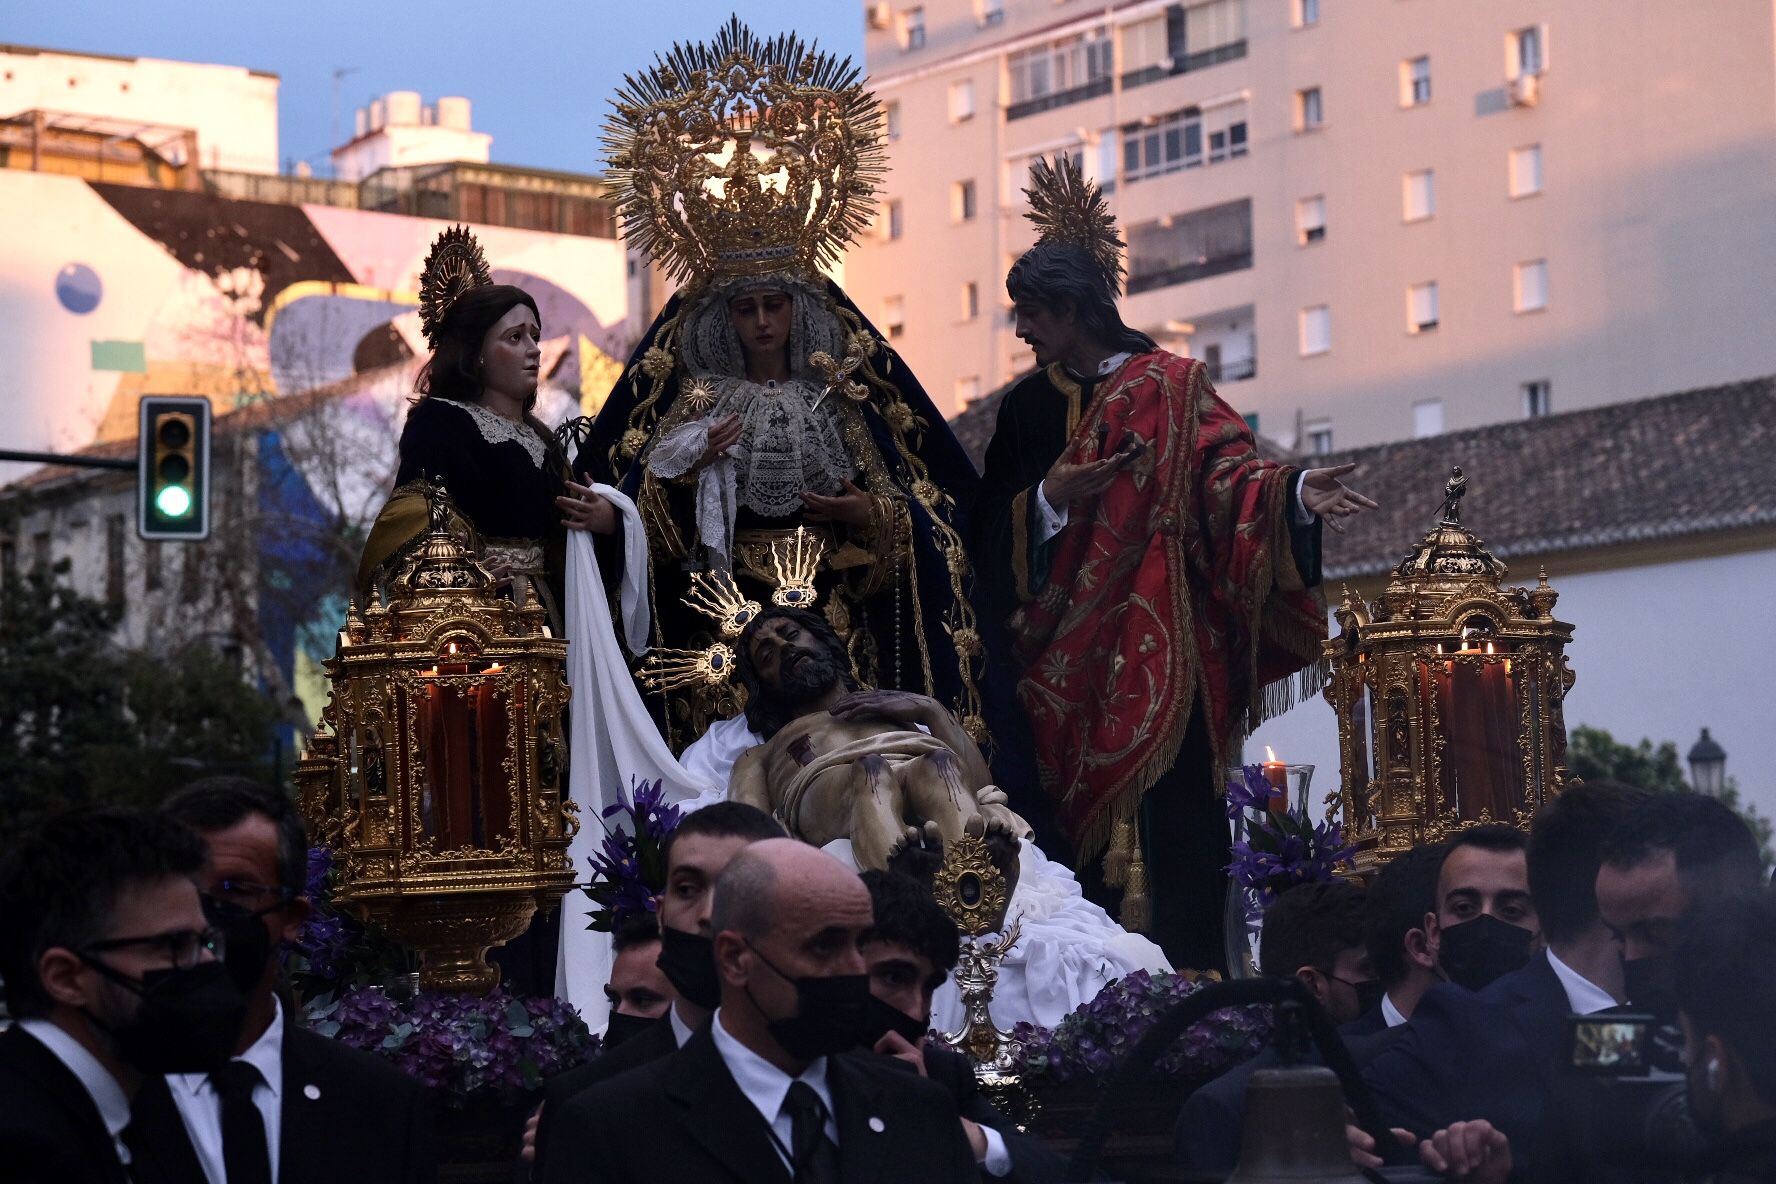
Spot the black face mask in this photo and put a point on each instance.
(623, 1027)
(1476, 952)
(832, 1014)
(187, 1022)
(884, 1018)
(248, 944)
(1648, 982)
(688, 962)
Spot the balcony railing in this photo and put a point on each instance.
(1059, 98)
(1236, 370)
(1202, 59)
(1183, 273)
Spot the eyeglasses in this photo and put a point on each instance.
(251, 895)
(185, 948)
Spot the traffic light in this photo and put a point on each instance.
(173, 468)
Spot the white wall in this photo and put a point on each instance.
(232, 109)
(1660, 652)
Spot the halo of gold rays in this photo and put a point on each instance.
(453, 266)
(1067, 208)
(743, 156)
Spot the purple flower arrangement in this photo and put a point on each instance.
(462, 1047)
(1093, 1040)
(629, 868)
(335, 949)
(1275, 851)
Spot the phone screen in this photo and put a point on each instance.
(1611, 1044)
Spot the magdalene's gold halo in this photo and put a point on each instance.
(741, 156)
(453, 266)
(1067, 208)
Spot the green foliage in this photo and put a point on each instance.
(1592, 754)
(84, 720)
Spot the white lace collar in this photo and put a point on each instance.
(497, 429)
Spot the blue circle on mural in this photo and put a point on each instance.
(78, 288)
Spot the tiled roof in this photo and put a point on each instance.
(1691, 463)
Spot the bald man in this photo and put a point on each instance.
(767, 1090)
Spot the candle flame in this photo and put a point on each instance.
(1270, 756)
(1489, 648)
(453, 647)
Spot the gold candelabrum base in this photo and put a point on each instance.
(452, 933)
(993, 1050)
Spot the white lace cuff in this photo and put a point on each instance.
(678, 450)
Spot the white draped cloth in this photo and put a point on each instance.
(1068, 948)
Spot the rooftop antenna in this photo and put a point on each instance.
(339, 75)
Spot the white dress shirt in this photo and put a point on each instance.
(681, 1031)
(1050, 521)
(113, 1104)
(1582, 995)
(201, 1107)
(766, 1086)
(1393, 1015)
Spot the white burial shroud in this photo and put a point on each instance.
(1068, 950)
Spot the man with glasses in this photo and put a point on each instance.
(288, 1105)
(111, 971)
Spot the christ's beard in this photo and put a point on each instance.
(812, 675)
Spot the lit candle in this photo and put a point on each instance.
(1277, 773)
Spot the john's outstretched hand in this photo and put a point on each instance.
(1323, 494)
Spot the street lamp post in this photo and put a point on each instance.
(1708, 765)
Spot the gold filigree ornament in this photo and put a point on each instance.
(699, 396)
(838, 374)
(1067, 208)
(674, 670)
(742, 156)
(453, 266)
(795, 560)
(716, 596)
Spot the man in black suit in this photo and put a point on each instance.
(1312, 932)
(696, 853)
(110, 970)
(289, 1105)
(909, 952)
(764, 1091)
(1492, 1055)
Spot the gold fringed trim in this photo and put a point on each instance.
(1136, 910)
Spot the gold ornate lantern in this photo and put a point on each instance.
(1448, 691)
(437, 777)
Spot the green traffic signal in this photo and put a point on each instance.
(174, 501)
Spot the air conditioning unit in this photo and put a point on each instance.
(881, 16)
(1524, 90)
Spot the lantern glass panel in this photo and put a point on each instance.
(1473, 692)
(465, 797)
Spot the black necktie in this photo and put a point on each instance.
(245, 1155)
(816, 1156)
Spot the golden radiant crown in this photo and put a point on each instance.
(1067, 208)
(453, 266)
(741, 156)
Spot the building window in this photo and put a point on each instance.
(1310, 220)
(1227, 143)
(961, 100)
(1427, 418)
(1061, 72)
(1213, 29)
(896, 219)
(891, 116)
(1421, 307)
(1317, 436)
(1526, 53)
(1529, 285)
(1307, 13)
(151, 567)
(1316, 337)
(1419, 195)
(1415, 82)
(962, 201)
(967, 391)
(992, 12)
(1538, 398)
(1526, 170)
(1309, 114)
(1191, 246)
(894, 315)
(41, 555)
(1146, 46)
(912, 28)
(114, 529)
(970, 300)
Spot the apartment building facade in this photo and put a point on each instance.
(1373, 219)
